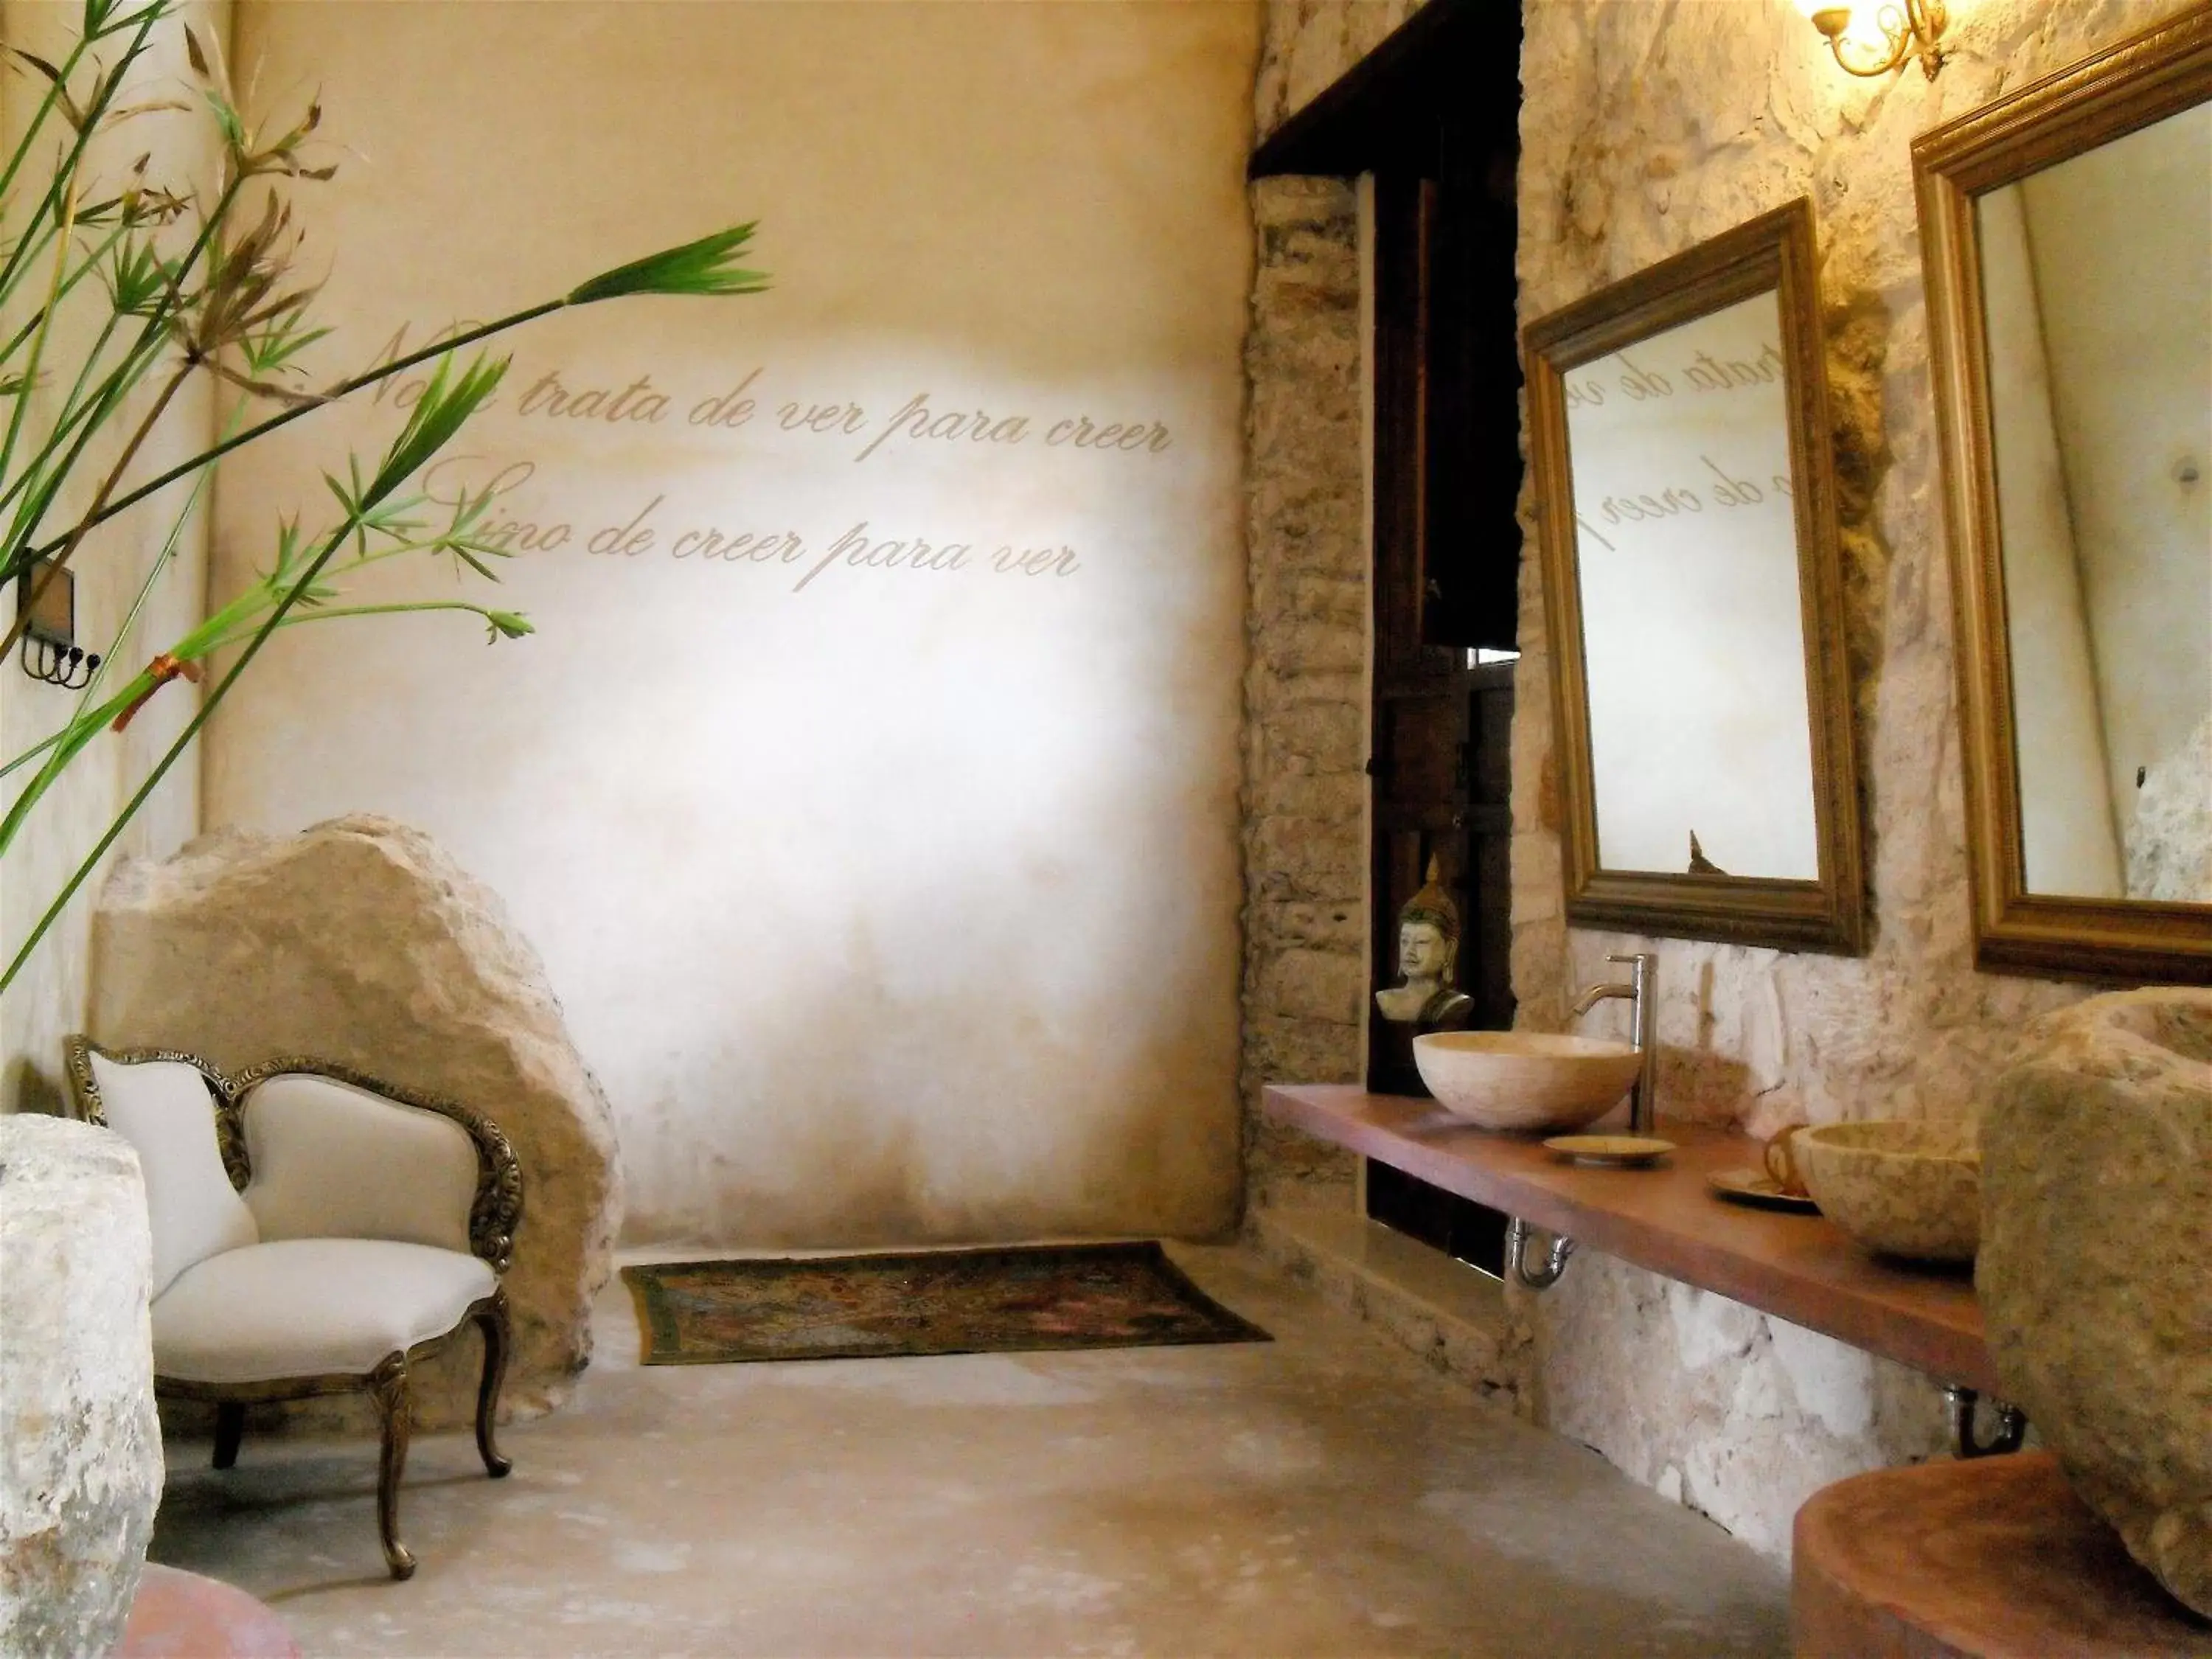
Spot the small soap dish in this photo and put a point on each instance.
(1611, 1152)
(1760, 1190)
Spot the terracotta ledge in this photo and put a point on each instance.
(1795, 1267)
(1995, 1558)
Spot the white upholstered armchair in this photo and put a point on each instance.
(315, 1232)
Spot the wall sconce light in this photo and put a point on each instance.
(1910, 29)
(46, 604)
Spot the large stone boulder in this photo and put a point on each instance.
(2095, 1271)
(360, 942)
(80, 1445)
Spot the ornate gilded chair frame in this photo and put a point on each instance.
(494, 1214)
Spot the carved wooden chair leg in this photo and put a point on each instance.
(388, 1386)
(229, 1429)
(492, 1322)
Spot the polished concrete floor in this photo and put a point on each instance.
(1324, 1494)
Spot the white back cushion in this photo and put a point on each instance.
(331, 1161)
(163, 1108)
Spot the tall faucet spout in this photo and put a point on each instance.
(1597, 993)
(1642, 994)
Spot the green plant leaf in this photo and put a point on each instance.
(446, 403)
(700, 267)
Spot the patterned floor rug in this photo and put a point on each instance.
(1001, 1300)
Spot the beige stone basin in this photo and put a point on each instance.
(1904, 1188)
(1525, 1081)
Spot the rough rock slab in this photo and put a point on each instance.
(2095, 1273)
(80, 1444)
(360, 941)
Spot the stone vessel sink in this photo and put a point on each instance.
(1904, 1188)
(1525, 1081)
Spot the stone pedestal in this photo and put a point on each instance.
(1995, 1558)
(80, 1446)
(360, 942)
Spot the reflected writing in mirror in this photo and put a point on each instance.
(1694, 653)
(2068, 230)
(1685, 497)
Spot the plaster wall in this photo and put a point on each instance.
(1646, 130)
(116, 561)
(892, 896)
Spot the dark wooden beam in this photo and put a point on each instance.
(1382, 114)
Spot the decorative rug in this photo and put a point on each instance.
(1001, 1300)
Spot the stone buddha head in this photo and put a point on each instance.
(1428, 934)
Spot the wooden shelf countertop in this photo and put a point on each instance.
(1797, 1267)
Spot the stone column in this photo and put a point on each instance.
(80, 1445)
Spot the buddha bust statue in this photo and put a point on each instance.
(1428, 997)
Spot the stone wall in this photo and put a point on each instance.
(1645, 130)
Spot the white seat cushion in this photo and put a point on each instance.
(163, 1108)
(309, 1307)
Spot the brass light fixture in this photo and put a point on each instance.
(1910, 29)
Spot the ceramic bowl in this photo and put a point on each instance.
(1903, 1188)
(1524, 1080)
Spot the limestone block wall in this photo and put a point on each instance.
(1305, 736)
(1306, 529)
(1646, 129)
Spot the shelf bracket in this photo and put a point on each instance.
(1516, 1257)
(2011, 1424)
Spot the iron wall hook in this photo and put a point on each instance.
(70, 667)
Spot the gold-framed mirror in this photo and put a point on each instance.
(2067, 231)
(1685, 512)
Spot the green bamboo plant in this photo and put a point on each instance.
(134, 287)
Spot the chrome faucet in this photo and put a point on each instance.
(1640, 990)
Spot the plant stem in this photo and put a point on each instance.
(75, 539)
(46, 329)
(332, 613)
(149, 336)
(344, 388)
(109, 85)
(200, 716)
